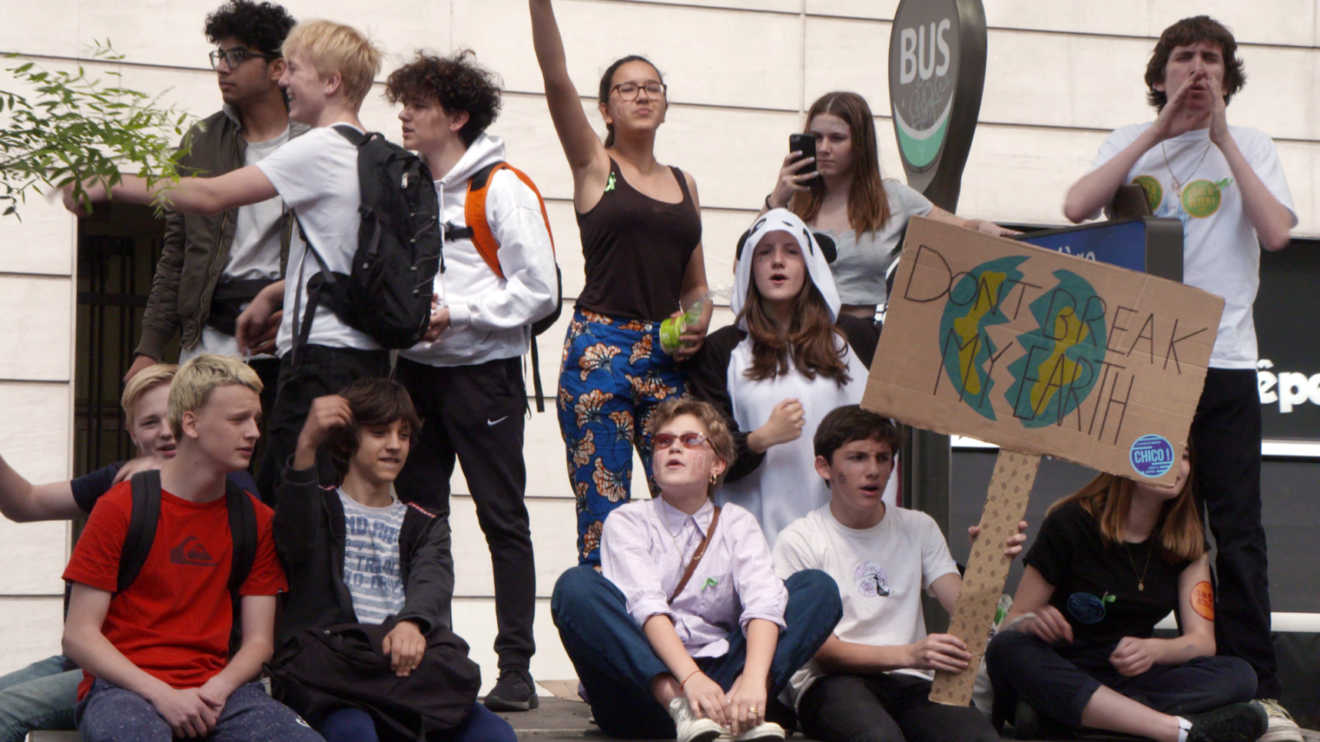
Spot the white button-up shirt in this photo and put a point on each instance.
(645, 548)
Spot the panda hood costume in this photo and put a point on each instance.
(781, 484)
(818, 257)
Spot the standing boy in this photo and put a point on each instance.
(328, 72)
(212, 266)
(156, 654)
(467, 380)
(1227, 187)
(870, 682)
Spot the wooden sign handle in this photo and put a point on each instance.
(987, 570)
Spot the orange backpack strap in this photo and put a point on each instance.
(474, 212)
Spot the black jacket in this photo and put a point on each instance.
(309, 537)
(708, 379)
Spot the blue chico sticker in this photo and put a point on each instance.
(1151, 456)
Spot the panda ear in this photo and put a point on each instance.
(742, 241)
(827, 247)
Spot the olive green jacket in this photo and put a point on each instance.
(196, 248)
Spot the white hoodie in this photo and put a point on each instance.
(489, 315)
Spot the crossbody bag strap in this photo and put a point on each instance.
(697, 555)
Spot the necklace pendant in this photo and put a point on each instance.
(1141, 586)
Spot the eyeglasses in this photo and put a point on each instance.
(689, 440)
(236, 56)
(628, 90)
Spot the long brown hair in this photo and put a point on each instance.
(868, 204)
(1178, 534)
(810, 338)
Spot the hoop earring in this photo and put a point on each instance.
(714, 478)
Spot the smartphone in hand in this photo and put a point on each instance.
(806, 144)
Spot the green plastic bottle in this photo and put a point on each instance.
(674, 327)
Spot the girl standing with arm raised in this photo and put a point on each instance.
(640, 223)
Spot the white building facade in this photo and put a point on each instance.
(1060, 75)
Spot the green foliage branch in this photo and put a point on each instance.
(75, 129)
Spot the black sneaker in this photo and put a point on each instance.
(1238, 722)
(515, 691)
(1028, 724)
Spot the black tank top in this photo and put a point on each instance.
(637, 250)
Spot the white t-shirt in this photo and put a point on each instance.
(255, 251)
(316, 175)
(880, 571)
(371, 558)
(785, 486)
(1221, 253)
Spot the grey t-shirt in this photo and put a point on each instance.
(859, 271)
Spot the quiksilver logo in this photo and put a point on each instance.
(192, 553)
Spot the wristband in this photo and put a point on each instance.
(689, 677)
(767, 202)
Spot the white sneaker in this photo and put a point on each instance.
(690, 729)
(1282, 728)
(766, 731)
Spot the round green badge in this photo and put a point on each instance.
(1154, 191)
(1201, 198)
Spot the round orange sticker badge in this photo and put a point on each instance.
(1203, 600)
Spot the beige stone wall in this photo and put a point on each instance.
(1059, 76)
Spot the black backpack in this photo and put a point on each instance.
(142, 533)
(387, 292)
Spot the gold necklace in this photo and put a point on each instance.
(1178, 184)
(1141, 579)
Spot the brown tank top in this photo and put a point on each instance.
(637, 250)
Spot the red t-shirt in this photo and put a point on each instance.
(174, 621)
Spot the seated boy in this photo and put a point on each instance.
(156, 655)
(329, 73)
(393, 566)
(871, 679)
(42, 695)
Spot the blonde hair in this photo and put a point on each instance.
(1178, 534)
(195, 379)
(144, 381)
(334, 47)
(718, 435)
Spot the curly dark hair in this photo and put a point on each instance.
(1190, 31)
(456, 82)
(262, 26)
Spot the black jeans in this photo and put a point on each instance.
(886, 707)
(1226, 433)
(1058, 681)
(474, 414)
(320, 371)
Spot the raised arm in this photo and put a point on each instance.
(586, 154)
(205, 196)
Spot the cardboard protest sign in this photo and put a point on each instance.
(1041, 352)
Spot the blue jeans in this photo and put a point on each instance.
(39, 697)
(109, 713)
(615, 661)
(356, 725)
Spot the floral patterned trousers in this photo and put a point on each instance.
(614, 374)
